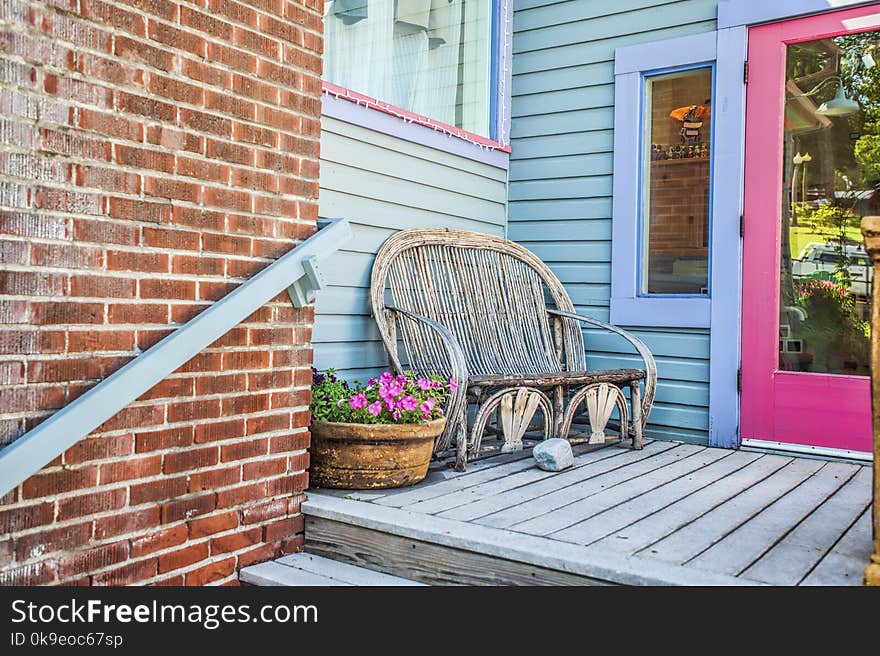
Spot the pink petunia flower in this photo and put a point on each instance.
(396, 414)
(389, 404)
(427, 405)
(452, 385)
(407, 403)
(395, 388)
(375, 408)
(424, 384)
(358, 401)
(386, 378)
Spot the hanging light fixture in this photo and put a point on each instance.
(840, 105)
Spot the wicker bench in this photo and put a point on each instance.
(491, 315)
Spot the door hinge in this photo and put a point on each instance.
(746, 72)
(739, 380)
(742, 225)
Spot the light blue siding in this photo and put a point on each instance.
(561, 175)
(382, 184)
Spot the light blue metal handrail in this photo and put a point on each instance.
(297, 271)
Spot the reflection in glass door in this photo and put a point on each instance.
(812, 170)
(830, 174)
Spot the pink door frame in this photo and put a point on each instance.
(814, 410)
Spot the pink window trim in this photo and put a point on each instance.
(366, 101)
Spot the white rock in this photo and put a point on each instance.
(553, 454)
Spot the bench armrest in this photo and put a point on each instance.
(641, 349)
(457, 403)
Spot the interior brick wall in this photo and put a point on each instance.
(154, 155)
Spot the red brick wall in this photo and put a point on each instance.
(153, 155)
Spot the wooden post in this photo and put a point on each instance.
(871, 232)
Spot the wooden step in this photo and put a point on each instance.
(305, 569)
(440, 551)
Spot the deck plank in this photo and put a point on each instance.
(612, 519)
(696, 537)
(275, 574)
(422, 493)
(580, 478)
(582, 469)
(614, 495)
(739, 549)
(543, 497)
(792, 558)
(466, 504)
(845, 563)
(343, 573)
(658, 525)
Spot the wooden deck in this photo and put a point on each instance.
(668, 514)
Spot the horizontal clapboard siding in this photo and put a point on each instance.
(382, 184)
(561, 174)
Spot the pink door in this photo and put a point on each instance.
(812, 171)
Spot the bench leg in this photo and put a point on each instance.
(635, 397)
(461, 443)
(558, 412)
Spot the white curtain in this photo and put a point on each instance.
(399, 62)
(358, 56)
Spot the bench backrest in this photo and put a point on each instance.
(491, 293)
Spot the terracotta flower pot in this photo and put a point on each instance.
(371, 456)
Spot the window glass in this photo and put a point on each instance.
(830, 180)
(676, 172)
(430, 57)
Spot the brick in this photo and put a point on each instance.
(137, 313)
(169, 438)
(123, 470)
(91, 503)
(249, 448)
(67, 312)
(103, 232)
(182, 557)
(264, 468)
(137, 261)
(261, 512)
(180, 509)
(236, 541)
(59, 481)
(211, 572)
(211, 479)
(92, 559)
(39, 573)
(259, 554)
(159, 540)
(158, 490)
(133, 417)
(13, 520)
(122, 522)
(93, 341)
(205, 526)
(170, 388)
(241, 494)
(52, 371)
(48, 540)
(101, 286)
(68, 256)
(219, 430)
(191, 459)
(167, 288)
(136, 572)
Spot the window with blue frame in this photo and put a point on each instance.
(429, 57)
(676, 174)
(664, 181)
